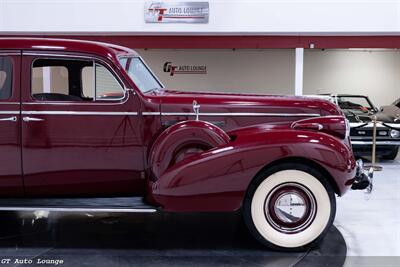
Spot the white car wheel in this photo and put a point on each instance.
(290, 208)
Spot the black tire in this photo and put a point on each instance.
(276, 233)
(392, 155)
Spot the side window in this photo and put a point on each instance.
(105, 84)
(5, 77)
(50, 79)
(58, 80)
(73, 80)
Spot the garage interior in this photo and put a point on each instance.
(359, 60)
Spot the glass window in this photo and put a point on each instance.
(87, 82)
(105, 86)
(50, 79)
(140, 74)
(5, 77)
(58, 79)
(354, 102)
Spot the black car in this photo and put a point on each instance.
(359, 110)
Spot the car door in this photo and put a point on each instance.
(10, 138)
(80, 129)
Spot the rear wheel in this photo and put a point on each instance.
(289, 207)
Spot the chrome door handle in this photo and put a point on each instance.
(13, 118)
(27, 119)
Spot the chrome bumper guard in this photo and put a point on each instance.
(364, 179)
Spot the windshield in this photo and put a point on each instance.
(354, 102)
(140, 74)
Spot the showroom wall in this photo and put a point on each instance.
(271, 71)
(245, 71)
(375, 73)
(226, 16)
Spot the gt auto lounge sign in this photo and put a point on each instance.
(184, 69)
(176, 12)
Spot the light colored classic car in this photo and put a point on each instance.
(87, 126)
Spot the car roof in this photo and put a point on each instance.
(63, 45)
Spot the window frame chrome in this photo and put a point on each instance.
(72, 56)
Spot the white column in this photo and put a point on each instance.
(298, 80)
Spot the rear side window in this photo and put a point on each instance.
(5, 77)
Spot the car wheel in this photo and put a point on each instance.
(392, 155)
(289, 207)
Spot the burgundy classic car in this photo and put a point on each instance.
(88, 126)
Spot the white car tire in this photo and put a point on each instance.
(289, 206)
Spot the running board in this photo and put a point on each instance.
(113, 204)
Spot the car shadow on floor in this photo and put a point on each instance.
(205, 239)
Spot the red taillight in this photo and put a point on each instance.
(333, 125)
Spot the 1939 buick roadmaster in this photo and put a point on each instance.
(87, 126)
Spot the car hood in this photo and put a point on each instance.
(179, 101)
(231, 111)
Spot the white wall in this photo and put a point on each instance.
(226, 16)
(246, 71)
(373, 73)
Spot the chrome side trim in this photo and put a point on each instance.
(79, 113)
(124, 210)
(9, 103)
(151, 113)
(378, 143)
(7, 112)
(242, 114)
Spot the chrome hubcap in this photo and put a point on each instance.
(290, 208)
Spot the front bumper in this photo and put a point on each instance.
(363, 179)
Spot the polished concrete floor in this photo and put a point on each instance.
(370, 224)
(150, 240)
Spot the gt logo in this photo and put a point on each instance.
(160, 12)
(168, 67)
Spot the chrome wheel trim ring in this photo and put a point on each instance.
(290, 208)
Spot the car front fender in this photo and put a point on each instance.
(217, 179)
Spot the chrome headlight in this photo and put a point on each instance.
(394, 134)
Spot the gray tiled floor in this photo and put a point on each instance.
(371, 224)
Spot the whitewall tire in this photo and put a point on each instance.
(289, 206)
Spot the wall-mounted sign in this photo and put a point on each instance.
(184, 69)
(176, 12)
